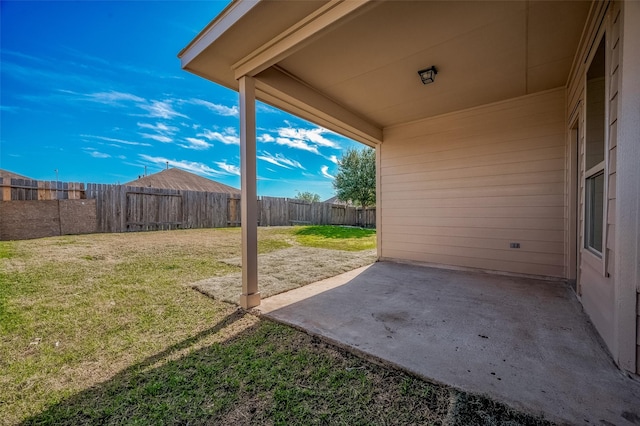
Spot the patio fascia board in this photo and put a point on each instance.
(227, 19)
(279, 89)
(295, 37)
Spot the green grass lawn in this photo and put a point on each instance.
(103, 329)
(337, 237)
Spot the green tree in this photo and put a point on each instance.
(356, 177)
(308, 196)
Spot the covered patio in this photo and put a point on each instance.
(522, 341)
(518, 156)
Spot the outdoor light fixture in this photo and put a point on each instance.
(428, 75)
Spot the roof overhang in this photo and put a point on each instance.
(351, 66)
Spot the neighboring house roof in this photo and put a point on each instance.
(179, 179)
(335, 200)
(10, 175)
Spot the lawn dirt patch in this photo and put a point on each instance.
(284, 270)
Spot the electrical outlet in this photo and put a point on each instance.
(514, 245)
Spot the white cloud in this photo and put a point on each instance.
(333, 159)
(311, 135)
(229, 136)
(191, 166)
(297, 144)
(159, 138)
(280, 161)
(229, 168)
(113, 97)
(154, 108)
(96, 154)
(197, 144)
(159, 127)
(325, 172)
(121, 141)
(266, 138)
(299, 138)
(223, 110)
(264, 108)
(161, 109)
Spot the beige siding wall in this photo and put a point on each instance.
(596, 277)
(459, 188)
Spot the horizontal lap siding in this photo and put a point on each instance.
(457, 189)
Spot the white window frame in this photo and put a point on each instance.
(589, 255)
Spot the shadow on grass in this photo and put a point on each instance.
(132, 393)
(271, 374)
(337, 232)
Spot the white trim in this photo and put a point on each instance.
(595, 169)
(379, 200)
(227, 19)
(572, 241)
(596, 260)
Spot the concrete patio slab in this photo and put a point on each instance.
(522, 341)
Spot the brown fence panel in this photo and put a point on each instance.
(152, 209)
(15, 189)
(204, 209)
(273, 212)
(109, 206)
(299, 212)
(24, 189)
(321, 213)
(122, 209)
(233, 212)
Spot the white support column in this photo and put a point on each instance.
(379, 200)
(250, 296)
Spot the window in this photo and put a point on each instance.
(594, 217)
(595, 152)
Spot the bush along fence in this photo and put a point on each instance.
(34, 209)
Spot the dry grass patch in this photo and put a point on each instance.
(286, 269)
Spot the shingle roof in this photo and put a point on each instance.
(335, 200)
(180, 179)
(10, 175)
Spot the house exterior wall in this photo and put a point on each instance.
(459, 188)
(607, 286)
(627, 214)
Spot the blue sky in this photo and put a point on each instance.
(95, 90)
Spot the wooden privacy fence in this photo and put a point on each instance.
(12, 189)
(119, 208)
(124, 209)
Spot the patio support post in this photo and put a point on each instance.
(250, 296)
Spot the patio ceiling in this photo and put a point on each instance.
(352, 66)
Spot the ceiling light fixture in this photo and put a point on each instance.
(428, 75)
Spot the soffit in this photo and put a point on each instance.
(265, 21)
(362, 71)
(484, 52)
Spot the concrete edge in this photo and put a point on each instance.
(389, 364)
